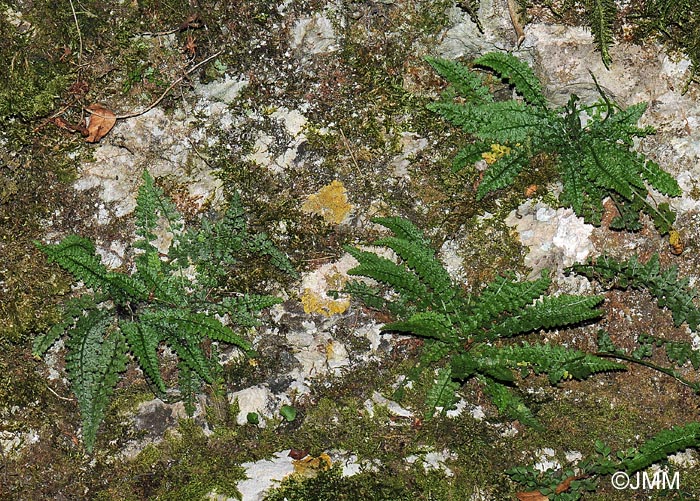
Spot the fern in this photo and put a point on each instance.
(156, 305)
(665, 443)
(670, 291)
(600, 15)
(458, 328)
(570, 483)
(590, 145)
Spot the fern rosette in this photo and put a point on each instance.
(465, 335)
(590, 144)
(159, 304)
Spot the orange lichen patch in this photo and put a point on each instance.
(310, 466)
(317, 284)
(330, 202)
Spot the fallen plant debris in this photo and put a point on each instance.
(101, 121)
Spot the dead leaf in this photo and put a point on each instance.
(531, 496)
(101, 122)
(566, 483)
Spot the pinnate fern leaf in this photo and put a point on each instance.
(667, 442)
(550, 312)
(143, 340)
(670, 291)
(464, 81)
(96, 357)
(517, 73)
(386, 271)
(77, 256)
(426, 324)
(442, 393)
(600, 15)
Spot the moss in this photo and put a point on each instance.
(187, 465)
(330, 485)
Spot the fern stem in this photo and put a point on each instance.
(669, 372)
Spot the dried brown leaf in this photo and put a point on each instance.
(531, 496)
(101, 122)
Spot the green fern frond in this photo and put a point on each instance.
(95, 359)
(601, 17)
(151, 204)
(659, 179)
(386, 271)
(504, 295)
(550, 312)
(426, 324)
(77, 256)
(518, 73)
(502, 172)
(465, 82)
(423, 262)
(72, 311)
(509, 404)
(670, 291)
(242, 310)
(143, 341)
(405, 229)
(665, 443)
(442, 393)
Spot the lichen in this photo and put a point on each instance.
(330, 202)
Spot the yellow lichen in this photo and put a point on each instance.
(314, 302)
(310, 466)
(330, 202)
(497, 151)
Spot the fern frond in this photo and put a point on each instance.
(659, 179)
(558, 362)
(466, 82)
(405, 229)
(425, 324)
(385, 271)
(601, 16)
(550, 312)
(72, 310)
(242, 309)
(665, 443)
(143, 341)
(151, 204)
(77, 256)
(670, 291)
(608, 166)
(505, 295)
(423, 262)
(507, 122)
(502, 173)
(96, 357)
(509, 404)
(517, 73)
(442, 393)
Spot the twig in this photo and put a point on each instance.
(515, 20)
(59, 396)
(162, 96)
(347, 145)
(80, 36)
